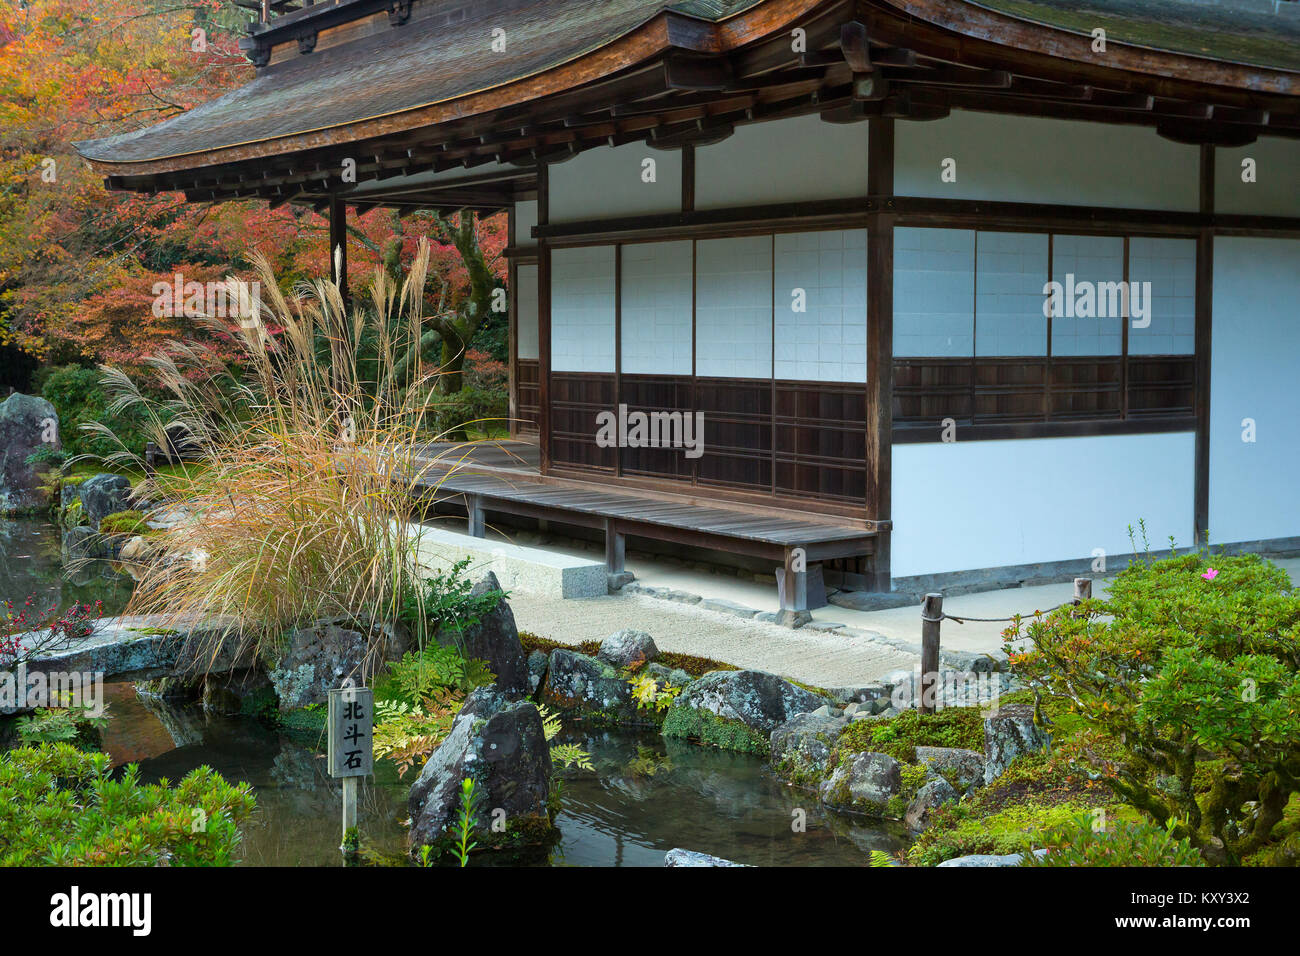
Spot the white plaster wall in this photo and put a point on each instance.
(980, 504)
(582, 309)
(1255, 373)
(1170, 266)
(827, 342)
(606, 183)
(733, 307)
(1010, 271)
(1276, 190)
(526, 311)
(1095, 259)
(934, 292)
(525, 219)
(781, 161)
(1030, 159)
(657, 308)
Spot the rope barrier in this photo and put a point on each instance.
(995, 620)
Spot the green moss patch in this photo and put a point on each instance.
(128, 523)
(899, 736)
(707, 728)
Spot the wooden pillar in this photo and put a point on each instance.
(615, 547)
(339, 244)
(474, 514)
(931, 620)
(512, 320)
(543, 322)
(880, 339)
(1204, 328)
(794, 591)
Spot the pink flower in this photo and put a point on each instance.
(1210, 574)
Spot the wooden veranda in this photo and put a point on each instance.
(505, 478)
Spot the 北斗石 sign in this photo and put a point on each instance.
(351, 732)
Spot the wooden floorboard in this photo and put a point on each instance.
(500, 473)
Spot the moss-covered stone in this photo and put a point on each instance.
(802, 747)
(128, 523)
(707, 728)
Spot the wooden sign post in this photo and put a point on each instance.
(351, 745)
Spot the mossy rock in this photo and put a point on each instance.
(126, 523)
(707, 728)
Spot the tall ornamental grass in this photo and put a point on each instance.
(295, 492)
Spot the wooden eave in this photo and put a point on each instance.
(677, 80)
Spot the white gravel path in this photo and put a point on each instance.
(820, 658)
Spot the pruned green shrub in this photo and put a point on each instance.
(60, 806)
(1123, 843)
(1192, 663)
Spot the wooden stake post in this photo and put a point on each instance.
(351, 746)
(931, 618)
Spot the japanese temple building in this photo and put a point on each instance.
(951, 287)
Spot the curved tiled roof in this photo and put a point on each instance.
(421, 63)
(372, 81)
(1263, 33)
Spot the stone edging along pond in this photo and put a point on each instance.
(853, 747)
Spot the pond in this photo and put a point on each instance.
(31, 565)
(645, 796)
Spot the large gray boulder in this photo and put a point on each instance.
(321, 656)
(627, 648)
(991, 859)
(934, 793)
(27, 424)
(801, 747)
(84, 542)
(680, 857)
(498, 742)
(1008, 734)
(963, 768)
(494, 639)
(103, 495)
(863, 782)
(760, 700)
(586, 687)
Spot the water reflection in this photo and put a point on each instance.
(649, 795)
(646, 796)
(31, 563)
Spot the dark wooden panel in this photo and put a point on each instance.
(1009, 389)
(737, 432)
(1010, 397)
(1161, 385)
(577, 398)
(528, 394)
(1088, 387)
(821, 440)
(928, 390)
(657, 393)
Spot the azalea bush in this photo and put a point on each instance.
(60, 806)
(1187, 678)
